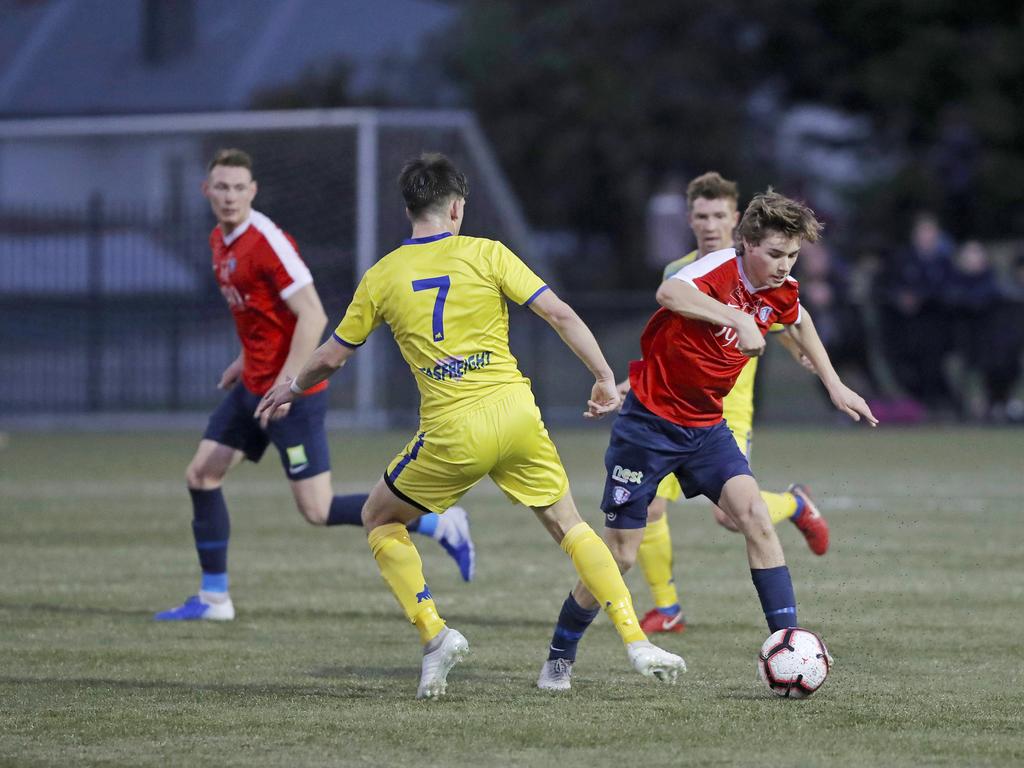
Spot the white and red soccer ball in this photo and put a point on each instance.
(793, 663)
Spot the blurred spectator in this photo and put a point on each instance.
(826, 289)
(916, 327)
(999, 347)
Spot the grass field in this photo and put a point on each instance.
(921, 601)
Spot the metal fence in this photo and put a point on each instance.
(106, 298)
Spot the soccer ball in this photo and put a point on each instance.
(793, 663)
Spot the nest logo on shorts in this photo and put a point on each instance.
(624, 475)
(297, 459)
(620, 495)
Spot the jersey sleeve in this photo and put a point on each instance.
(361, 317)
(515, 279)
(283, 266)
(790, 317)
(695, 276)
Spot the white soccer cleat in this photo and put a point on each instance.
(555, 675)
(439, 662)
(651, 661)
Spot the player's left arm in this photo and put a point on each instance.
(785, 338)
(845, 399)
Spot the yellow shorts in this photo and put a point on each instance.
(669, 489)
(504, 438)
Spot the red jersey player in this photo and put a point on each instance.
(279, 320)
(714, 315)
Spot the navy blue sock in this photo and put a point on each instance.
(212, 529)
(572, 623)
(347, 510)
(775, 589)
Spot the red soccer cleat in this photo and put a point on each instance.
(654, 621)
(812, 525)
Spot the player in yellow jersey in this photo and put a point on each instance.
(443, 296)
(712, 204)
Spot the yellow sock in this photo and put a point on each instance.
(656, 561)
(781, 506)
(599, 573)
(402, 569)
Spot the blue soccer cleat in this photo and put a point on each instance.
(194, 609)
(453, 535)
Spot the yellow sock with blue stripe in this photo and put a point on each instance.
(402, 569)
(600, 574)
(781, 506)
(655, 556)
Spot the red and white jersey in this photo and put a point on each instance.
(257, 267)
(688, 366)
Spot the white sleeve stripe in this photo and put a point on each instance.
(295, 287)
(289, 257)
(705, 264)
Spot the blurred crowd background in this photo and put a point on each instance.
(900, 122)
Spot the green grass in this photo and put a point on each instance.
(920, 601)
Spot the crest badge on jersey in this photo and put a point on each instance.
(620, 495)
(764, 313)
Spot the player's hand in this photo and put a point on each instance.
(276, 403)
(604, 399)
(231, 375)
(852, 404)
(749, 339)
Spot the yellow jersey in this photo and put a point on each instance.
(443, 297)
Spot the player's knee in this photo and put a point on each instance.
(313, 513)
(201, 478)
(656, 510)
(753, 520)
(624, 554)
(374, 516)
(724, 520)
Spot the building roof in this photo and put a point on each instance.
(75, 57)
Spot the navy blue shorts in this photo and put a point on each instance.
(644, 448)
(300, 437)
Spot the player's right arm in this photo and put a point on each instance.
(360, 319)
(325, 360)
(604, 397)
(684, 299)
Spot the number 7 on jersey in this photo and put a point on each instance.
(442, 284)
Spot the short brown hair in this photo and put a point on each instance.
(711, 186)
(772, 212)
(234, 158)
(430, 181)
